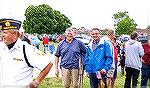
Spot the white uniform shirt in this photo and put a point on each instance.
(16, 72)
(2, 45)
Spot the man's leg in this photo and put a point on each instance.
(44, 48)
(66, 77)
(104, 80)
(75, 77)
(128, 77)
(145, 75)
(135, 77)
(109, 77)
(93, 80)
(114, 76)
(109, 81)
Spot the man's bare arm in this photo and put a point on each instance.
(41, 76)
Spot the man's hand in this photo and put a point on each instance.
(87, 74)
(57, 72)
(103, 71)
(56, 66)
(33, 84)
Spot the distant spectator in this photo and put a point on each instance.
(51, 48)
(145, 65)
(35, 41)
(122, 59)
(54, 38)
(46, 43)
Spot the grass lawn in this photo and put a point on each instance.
(57, 83)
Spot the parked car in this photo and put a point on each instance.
(124, 38)
(142, 38)
(83, 39)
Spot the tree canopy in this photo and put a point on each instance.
(43, 19)
(123, 23)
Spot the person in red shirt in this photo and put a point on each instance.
(46, 43)
(145, 65)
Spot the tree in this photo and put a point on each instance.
(123, 24)
(43, 19)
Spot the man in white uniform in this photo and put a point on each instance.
(19, 58)
(1, 66)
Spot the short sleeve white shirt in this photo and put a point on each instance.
(16, 72)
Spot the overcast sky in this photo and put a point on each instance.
(83, 13)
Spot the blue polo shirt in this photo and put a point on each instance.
(70, 53)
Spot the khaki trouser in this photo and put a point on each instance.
(70, 75)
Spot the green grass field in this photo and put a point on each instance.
(57, 83)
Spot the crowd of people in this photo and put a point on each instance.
(100, 58)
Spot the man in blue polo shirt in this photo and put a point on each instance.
(70, 50)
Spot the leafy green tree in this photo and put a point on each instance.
(43, 19)
(123, 24)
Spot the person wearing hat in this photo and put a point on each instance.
(133, 53)
(19, 58)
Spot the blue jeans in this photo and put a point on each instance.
(94, 81)
(145, 75)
